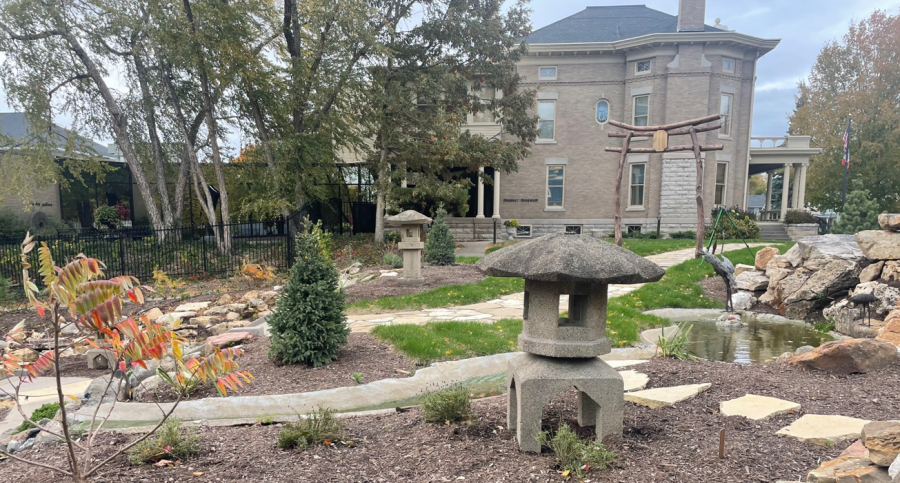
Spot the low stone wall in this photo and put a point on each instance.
(799, 231)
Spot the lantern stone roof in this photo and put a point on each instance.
(570, 258)
(408, 217)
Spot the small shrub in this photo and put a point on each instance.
(824, 326)
(393, 260)
(166, 286)
(316, 428)
(439, 246)
(308, 322)
(256, 274)
(860, 211)
(677, 347)
(795, 217)
(392, 237)
(358, 377)
(450, 404)
(169, 443)
(683, 235)
(47, 411)
(573, 454)
(511, 223)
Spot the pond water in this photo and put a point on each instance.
(758, 341)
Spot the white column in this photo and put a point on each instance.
(803, 168)
(480, 194)
(785, 186)
(769, 175)
(496, 193)
(796, 198)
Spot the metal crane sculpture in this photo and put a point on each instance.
(725, 269)
(864, 300)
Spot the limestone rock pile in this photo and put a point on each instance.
(874, 458)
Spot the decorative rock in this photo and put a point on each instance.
(224, 327)
(756, 407)
(665, 396)
(232, 316)
(891, 330)
(227, 339)
(825, 472)
(891, 272)
(268, 296)
(389, 274)
(843, 315)
(741, 268)
(154, 314)
(804, 349)
(824, 430)
(838, 275)
(752, 281)
(882, 439)
(784, 358)
(894, 469)
(101, 391)
(889, 221)
(353, 269)
(848, 356)
(829, 246)
(139, 374)
(887, 296)
(634, 381)
(98, 359)
(729, 320)
(742, 301)
(278, 288)
(25, 355)
(170, 318)
(856, 450)
(867, 474)
(204, 320)
(224, 309)
(872, 272)
(252, 294)
(224, 300)
(879, 244)
(192, 307)
(764, 256)
(151, 384)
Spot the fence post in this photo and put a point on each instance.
(121, 256)
(203, 245)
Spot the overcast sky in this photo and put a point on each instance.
(803, 26)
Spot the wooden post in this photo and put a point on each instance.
(618, 202)
(722, 444)
(700, 214)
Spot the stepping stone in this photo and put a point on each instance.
(823, 429)
(192, 307)
(634, 381)
(756, 407)
(625, 363)
(666, 396)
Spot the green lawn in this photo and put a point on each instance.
(641, 246)
(624, 318)
(467, 260)
(487, 289)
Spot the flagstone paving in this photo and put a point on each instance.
(823, 429)
(37, 392)
(665, 396)
(508, 306)
(757, 407)
(634, 381)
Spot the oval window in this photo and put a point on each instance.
(602, 111)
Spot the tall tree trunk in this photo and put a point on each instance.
(384, 181)
(118, 120)
(155, 144)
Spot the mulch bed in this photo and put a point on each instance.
(674, 444)
(435, 276)
(714, 288)
(362, 354)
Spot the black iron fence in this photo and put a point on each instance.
(179, 252)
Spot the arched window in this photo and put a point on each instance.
(603, 111)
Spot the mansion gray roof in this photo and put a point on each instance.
(14, 125)
(608, 24)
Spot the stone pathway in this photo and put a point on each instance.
(665, 396)
(34, 394)
(756, 407)
(509, 306)
(824, 429)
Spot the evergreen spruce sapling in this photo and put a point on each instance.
(307, 325)
(860, 212)
(439, 247)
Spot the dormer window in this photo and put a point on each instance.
(642, 67)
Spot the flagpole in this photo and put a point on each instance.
(844, 193)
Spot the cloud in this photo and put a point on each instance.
(777, 85)
(752, 13)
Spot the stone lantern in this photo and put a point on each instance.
(561, 352)
(411, 244)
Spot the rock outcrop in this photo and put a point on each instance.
(879, 244)
(764, 256)
(882, 439)
(848, 356)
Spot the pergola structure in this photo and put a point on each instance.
(661, 136)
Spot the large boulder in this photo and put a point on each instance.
(814, 293)
(764, 256)
(887, 296)
(848, 356)
(872, 272)
(846, 317)
(882, 439)
(879, 244)
(752, 280)
(889, 221)
(829, 246)
(890, 332)
(825, 473)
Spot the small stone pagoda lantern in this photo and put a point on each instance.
(561, 352)
(411, 244)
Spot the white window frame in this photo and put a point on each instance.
(643, 72)
(724, 185)
(562, 204)
(492, 120)
(727, 123)
(733, 65)
(552, 138)
(555, 72)
(522, 228)
(608, 109)
(631, 185)
(634, 109)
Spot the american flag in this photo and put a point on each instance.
(846, 160)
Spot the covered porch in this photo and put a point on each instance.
(787, 156)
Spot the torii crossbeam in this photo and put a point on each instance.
(661, 135)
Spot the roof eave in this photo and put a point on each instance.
(764, 46)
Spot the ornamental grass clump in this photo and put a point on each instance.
(319, 427)
(451, 404)
(307, 326)
(169, 442)
(575, 455)
(439, 246)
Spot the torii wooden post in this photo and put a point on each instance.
(661, 136)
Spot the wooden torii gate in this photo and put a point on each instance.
(661, 135)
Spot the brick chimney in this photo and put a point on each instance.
(691, 14)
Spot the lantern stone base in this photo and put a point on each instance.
(534, 380)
